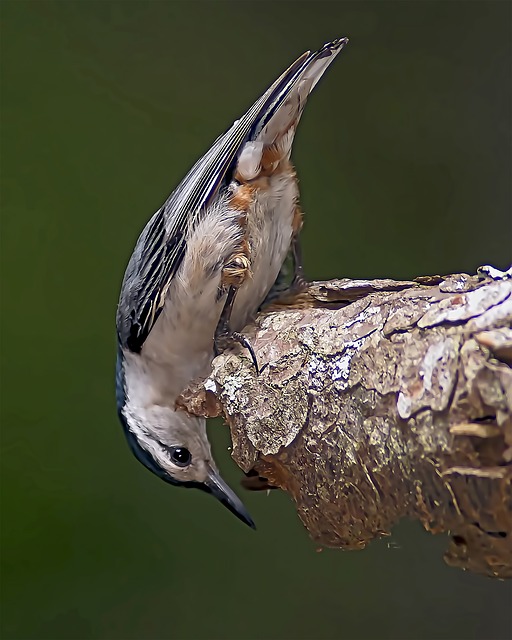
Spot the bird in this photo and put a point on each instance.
(201, 268)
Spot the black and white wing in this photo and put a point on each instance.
(160, 248)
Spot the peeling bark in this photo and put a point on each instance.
(381, 400)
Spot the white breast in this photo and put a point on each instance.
(180, 346)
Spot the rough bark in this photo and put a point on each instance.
(381, 400)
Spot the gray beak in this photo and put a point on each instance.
(216, 486)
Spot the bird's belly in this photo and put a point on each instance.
(182, 339)
(270, 229)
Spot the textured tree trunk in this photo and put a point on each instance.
(380, 400)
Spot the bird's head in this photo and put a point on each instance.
(174, 446)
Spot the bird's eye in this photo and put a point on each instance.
(180, 456)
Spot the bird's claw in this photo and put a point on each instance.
(222, 342)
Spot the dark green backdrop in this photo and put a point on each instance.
(404, 156)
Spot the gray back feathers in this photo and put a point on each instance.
(159, 251)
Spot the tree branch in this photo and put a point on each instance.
(381, 400)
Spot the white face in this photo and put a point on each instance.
(173, 445)
(176, 441)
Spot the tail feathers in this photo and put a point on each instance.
(272, 141)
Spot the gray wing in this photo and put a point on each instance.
(160, 248)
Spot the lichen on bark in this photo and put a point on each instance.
(381, 400)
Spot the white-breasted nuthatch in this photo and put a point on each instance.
(202, 266)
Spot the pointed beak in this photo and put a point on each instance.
(216, 486)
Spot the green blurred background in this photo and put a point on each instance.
(404, 157)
